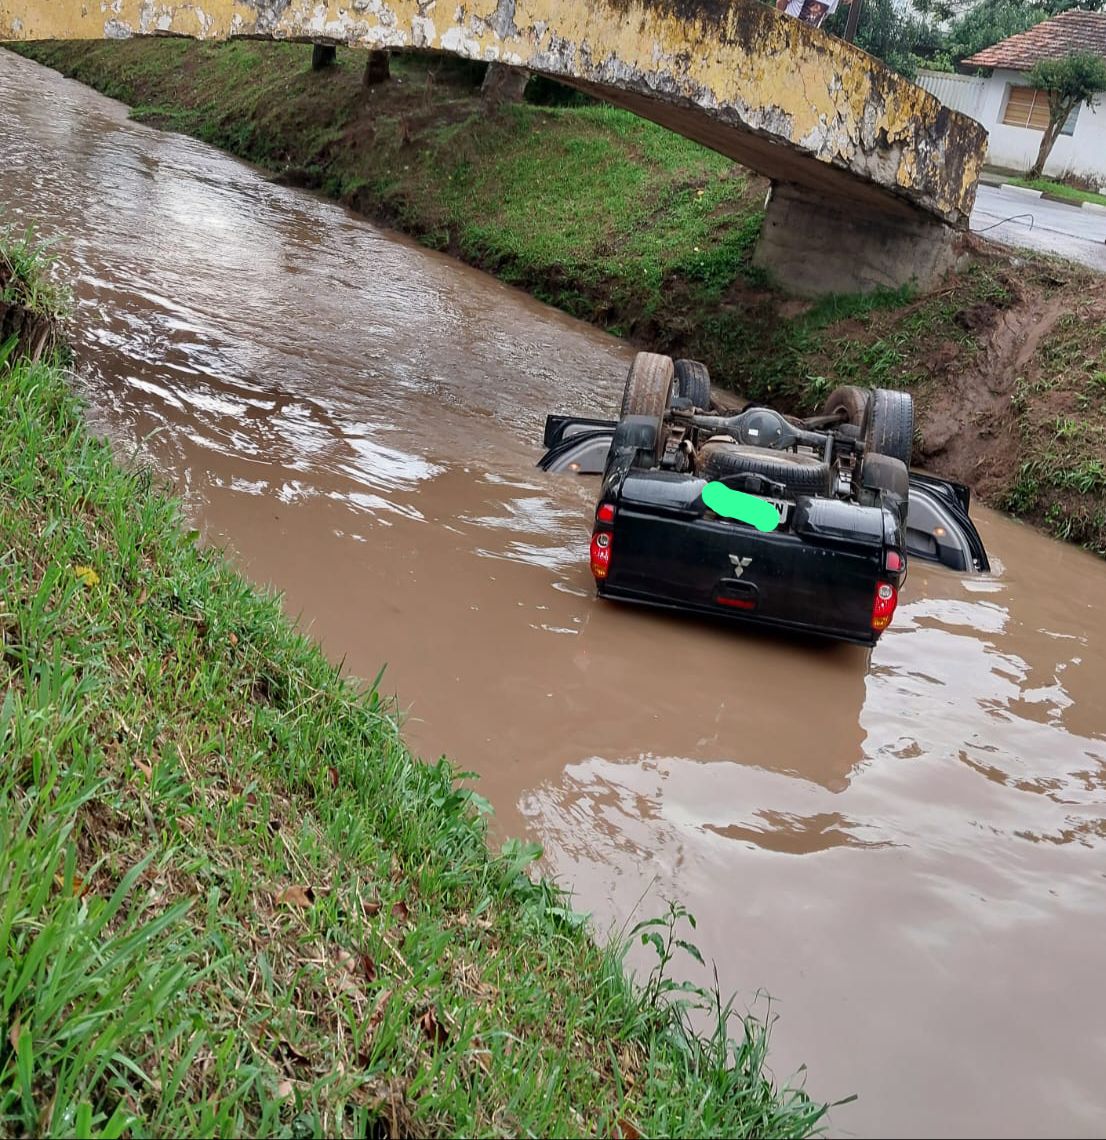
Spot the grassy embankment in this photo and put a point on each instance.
(648, 235)
(1060, 190)
(232, 903)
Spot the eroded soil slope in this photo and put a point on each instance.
(1007, 363)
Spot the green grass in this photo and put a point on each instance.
(233, 903)
(1060, 189)
(586, 203)
(27, 275)
(1061, 406)
(809, 357)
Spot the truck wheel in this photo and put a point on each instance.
(648, 386)
(885, 473)
(888, 427)
(800, 474)
(694, 383)
(883, 480)
(853, 401)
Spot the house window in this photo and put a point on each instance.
(1028, 107)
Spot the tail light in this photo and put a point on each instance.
(894, 562)
(883, 608)
(601, 542)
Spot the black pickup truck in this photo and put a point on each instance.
(846, 512)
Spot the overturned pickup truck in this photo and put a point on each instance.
(846, 513)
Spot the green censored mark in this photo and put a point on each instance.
(731, 504)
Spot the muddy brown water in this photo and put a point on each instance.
(905, 849)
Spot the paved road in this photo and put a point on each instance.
(1015, 218)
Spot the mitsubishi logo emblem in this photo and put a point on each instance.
(739, 565)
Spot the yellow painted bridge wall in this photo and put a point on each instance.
(788, 101)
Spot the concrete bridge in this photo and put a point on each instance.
(872, 176)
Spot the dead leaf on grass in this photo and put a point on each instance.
(482, 1055)
(368, 968)
(377, 1015)
(624, 1130)
(332, 773)
(286, 1051)
(303, 897)
(347, 979)
(284, 1089)
(14, 1031)
(432, 1029)
(46, 1116)
(400, 911)
(79, 888)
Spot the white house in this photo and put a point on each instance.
(1014, 113)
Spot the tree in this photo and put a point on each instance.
(1069, 81)
(940, 33)
(886, 31)
(972, 25)
(948, 31)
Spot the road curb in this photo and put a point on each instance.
(1022, 190)
(1094, 207)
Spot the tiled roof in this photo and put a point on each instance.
(1070, 31)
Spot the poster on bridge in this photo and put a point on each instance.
(812, 12)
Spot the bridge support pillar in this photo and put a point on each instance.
(811, 245)
(503, 85)
(323, 56)
(378, 69)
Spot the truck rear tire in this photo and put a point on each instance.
(888, 427)
(885, 473)
(649, 386)
(853, 401)
(800, 474)
(883, 480)
(694, 383)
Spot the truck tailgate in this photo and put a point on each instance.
(682, 557)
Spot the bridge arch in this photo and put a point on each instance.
(872, 174)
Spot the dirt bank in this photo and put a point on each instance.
(648, 236)
(1007, 363)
